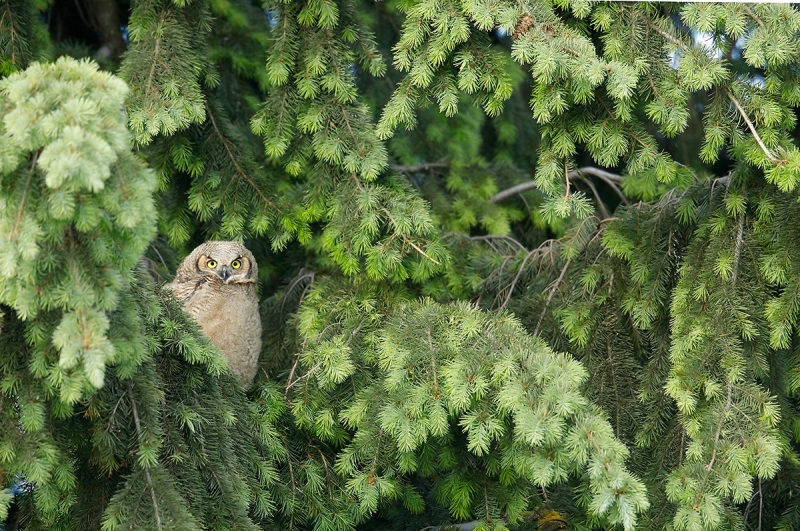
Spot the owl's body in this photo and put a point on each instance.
(216, 285)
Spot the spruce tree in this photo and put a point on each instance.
(522, 264)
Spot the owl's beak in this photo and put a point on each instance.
(225, 273)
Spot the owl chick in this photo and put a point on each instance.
(216, 284)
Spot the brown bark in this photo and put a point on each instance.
(105, 19)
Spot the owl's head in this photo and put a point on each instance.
(229, 262)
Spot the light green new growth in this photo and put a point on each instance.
(76, 213)
(436, 381)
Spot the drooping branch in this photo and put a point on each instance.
(553, 288)
(149, 479)
(603, 210)
(547, 246)
(226, 143)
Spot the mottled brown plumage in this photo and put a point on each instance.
(216, 284)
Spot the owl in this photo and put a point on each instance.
(216, 284)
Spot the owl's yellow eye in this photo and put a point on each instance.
(211, 264)
(236, 264)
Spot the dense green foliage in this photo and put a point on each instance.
(514, 257)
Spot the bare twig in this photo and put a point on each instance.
(611, 179)
(536, 251)
(600, 204)
(728, 402)
(514, 190)
(406, 239)
(566, 179)
(291, 375)
(491, 237)
(418, 248)
(294, 284)
(760, 504)
(550, 296)
(752, 127)
(669, 37)
(306, 375)
(753, 15)
(724, 181)
(603, 174)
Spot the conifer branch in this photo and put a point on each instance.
(114, 411)
(656, 92)
(527, 20)
(669, 37)
(405, 238)
(485, 500)
(291, 383)
(151, 76)
(325, 466)
(137, 423)
(12, 31)
(753, 15)
(377, 450)
(600, 204)
(540, 249)
(615, 388)
(433, 365)
(752, 127)
(737, 249)
(489, 237)
(523, 25)
(292, 481)
(724, 413)
(21, 209)
(295, 282)
(242, 174)
(550, 296)
(360, 151)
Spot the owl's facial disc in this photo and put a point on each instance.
(230, 269)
